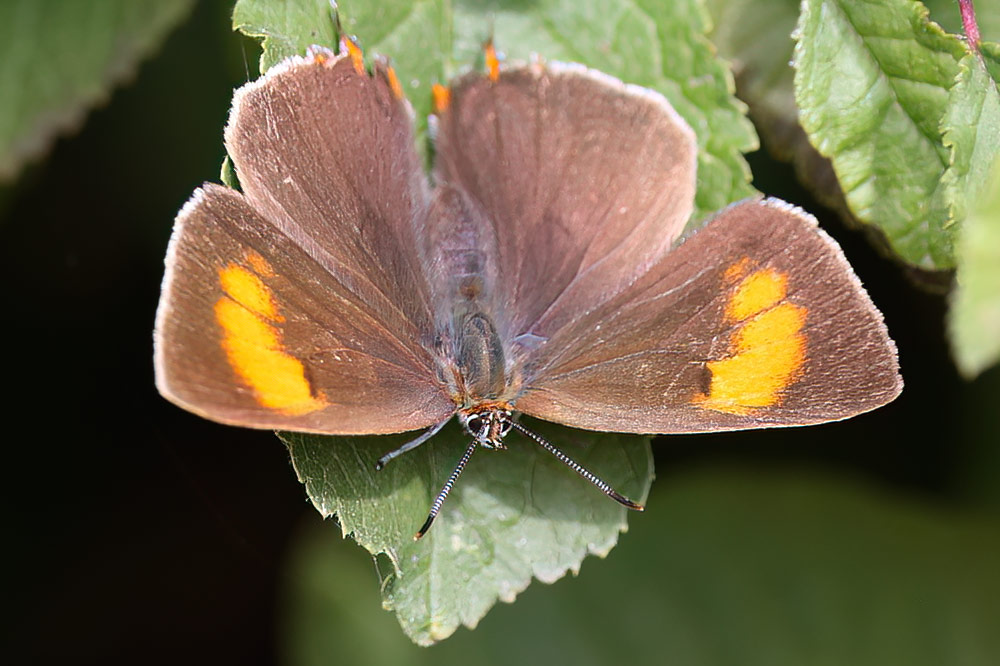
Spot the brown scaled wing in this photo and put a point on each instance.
(300, 304)
(643, 361)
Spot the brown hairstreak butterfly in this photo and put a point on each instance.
(542, 273)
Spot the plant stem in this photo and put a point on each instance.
(969, 24)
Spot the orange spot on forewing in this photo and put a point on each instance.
(247, 315)
(767, 356)
(394, 84)
(248, 290)
(736, 271)
(354, 51)
(259, 264)
(492, 62)
(767, 350)
(441, 97)
(757, 292)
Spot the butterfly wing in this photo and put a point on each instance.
(581, 183)
(299, 304)
(755, 320)
(325, 152)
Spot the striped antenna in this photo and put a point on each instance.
(436, 506)
(579, 469)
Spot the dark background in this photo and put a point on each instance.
(136, 531)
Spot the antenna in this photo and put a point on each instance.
(436, 506)
(473, 445)
(579, 469)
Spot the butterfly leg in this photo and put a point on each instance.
(409, 446)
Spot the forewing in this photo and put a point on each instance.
(756, 320)
(325, 152)
(583, 182)
(253, 330)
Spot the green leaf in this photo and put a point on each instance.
(513, 515)
(747, 567)
(947, 14)
(286, 27)
(991, 58)
(872, 86)
(974, 318)
(47, 87)
(756, 37)
(227, 174)
(971, 128)
(652, 43)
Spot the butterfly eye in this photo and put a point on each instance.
(505, 424)
(475, 424)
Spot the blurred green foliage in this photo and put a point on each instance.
(62, 57)
(747, 566)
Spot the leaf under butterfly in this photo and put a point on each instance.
(514, 515)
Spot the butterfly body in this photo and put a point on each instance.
(483, 383)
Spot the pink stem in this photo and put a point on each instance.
(969, 23)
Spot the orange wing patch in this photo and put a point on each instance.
(397, 88)
(492, 61)
(737, 271)
(353, 49)
(247, 314)
(441, 96)
(766, 351)
(757, 292)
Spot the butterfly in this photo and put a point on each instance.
(542, 273)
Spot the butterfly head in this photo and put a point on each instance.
(487, 424)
